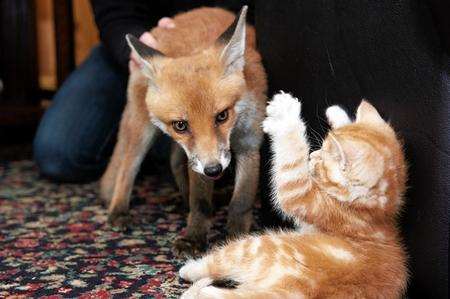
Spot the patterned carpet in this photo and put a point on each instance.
(54, 243)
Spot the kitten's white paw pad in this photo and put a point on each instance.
(193, 270)
(283, 112)
(284, 106)
(195, 290)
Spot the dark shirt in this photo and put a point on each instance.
(115, 18)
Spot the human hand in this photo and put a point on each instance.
(148, 39)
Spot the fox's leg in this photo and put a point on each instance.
(135, 136)
(293, 186)
(200, 211)
(178, 164)
(133, 154)
(136, 89)
(240, 209)
(108, 179)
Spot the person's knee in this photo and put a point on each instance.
(51, 158)
(74, 137)
(55, 161)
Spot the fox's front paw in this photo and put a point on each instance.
(283, 115)
(187, 247)
(119, 221)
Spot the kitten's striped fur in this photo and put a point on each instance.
(344, 199)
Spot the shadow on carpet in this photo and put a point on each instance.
(54, 242)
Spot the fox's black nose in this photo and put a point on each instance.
(213, 170)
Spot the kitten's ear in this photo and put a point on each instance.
(339, 150)
(234, 40)
(337, 117)
(364, 162)
(144, 53)
(367, 113)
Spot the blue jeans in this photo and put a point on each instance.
(77, 133)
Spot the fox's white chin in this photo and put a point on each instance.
(225, 159)
(197, 165)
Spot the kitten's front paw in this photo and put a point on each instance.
(283, 115)
(199, 290)
(194, 270)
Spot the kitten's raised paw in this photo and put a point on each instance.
(337, 117)
(283, 114)
(186, 247)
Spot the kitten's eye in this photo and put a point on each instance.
(180, 126)
(222, 116)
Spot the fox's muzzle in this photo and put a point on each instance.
(212, 168)
(213, 171)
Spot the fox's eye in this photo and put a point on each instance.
(222, 116)
(180, 126)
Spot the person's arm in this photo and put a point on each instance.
(115, 18)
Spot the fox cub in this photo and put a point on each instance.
(344, 198)
(205, 87)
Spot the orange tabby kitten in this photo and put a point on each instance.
(344, 199)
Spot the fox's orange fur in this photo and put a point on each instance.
(344, 199)
(201, 70)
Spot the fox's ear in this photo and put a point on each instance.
(144, 53)
(368, 114)
(234, 40)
